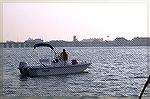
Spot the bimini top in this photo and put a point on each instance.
(43, 44)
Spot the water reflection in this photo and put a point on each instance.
(23, 78)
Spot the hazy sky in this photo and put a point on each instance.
(60, 21)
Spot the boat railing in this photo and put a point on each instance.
(32, 59)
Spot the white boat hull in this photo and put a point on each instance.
(51, 66)
(69, 69)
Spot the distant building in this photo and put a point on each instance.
(30, 42)
(121, 42)
(35, 41)
(38, 40)
(145, 41)
(120, 39)
(142, 39)
(74, 38)
(10, 41)
(93, 40)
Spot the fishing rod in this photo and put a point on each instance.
(146, 84)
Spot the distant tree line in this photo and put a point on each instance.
(138, 41)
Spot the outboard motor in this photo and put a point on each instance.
(23, 68)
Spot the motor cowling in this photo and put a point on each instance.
(23, 68)
(22, 65)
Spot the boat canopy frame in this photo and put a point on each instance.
(45, 45)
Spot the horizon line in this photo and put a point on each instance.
(71, 40)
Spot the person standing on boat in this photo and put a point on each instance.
(64, 55)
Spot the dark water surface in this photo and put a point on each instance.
(115, 71)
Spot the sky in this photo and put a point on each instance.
(61, 21)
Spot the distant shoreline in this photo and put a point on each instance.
(118, 42)
(81, 46)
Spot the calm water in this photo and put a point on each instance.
(115, 71)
